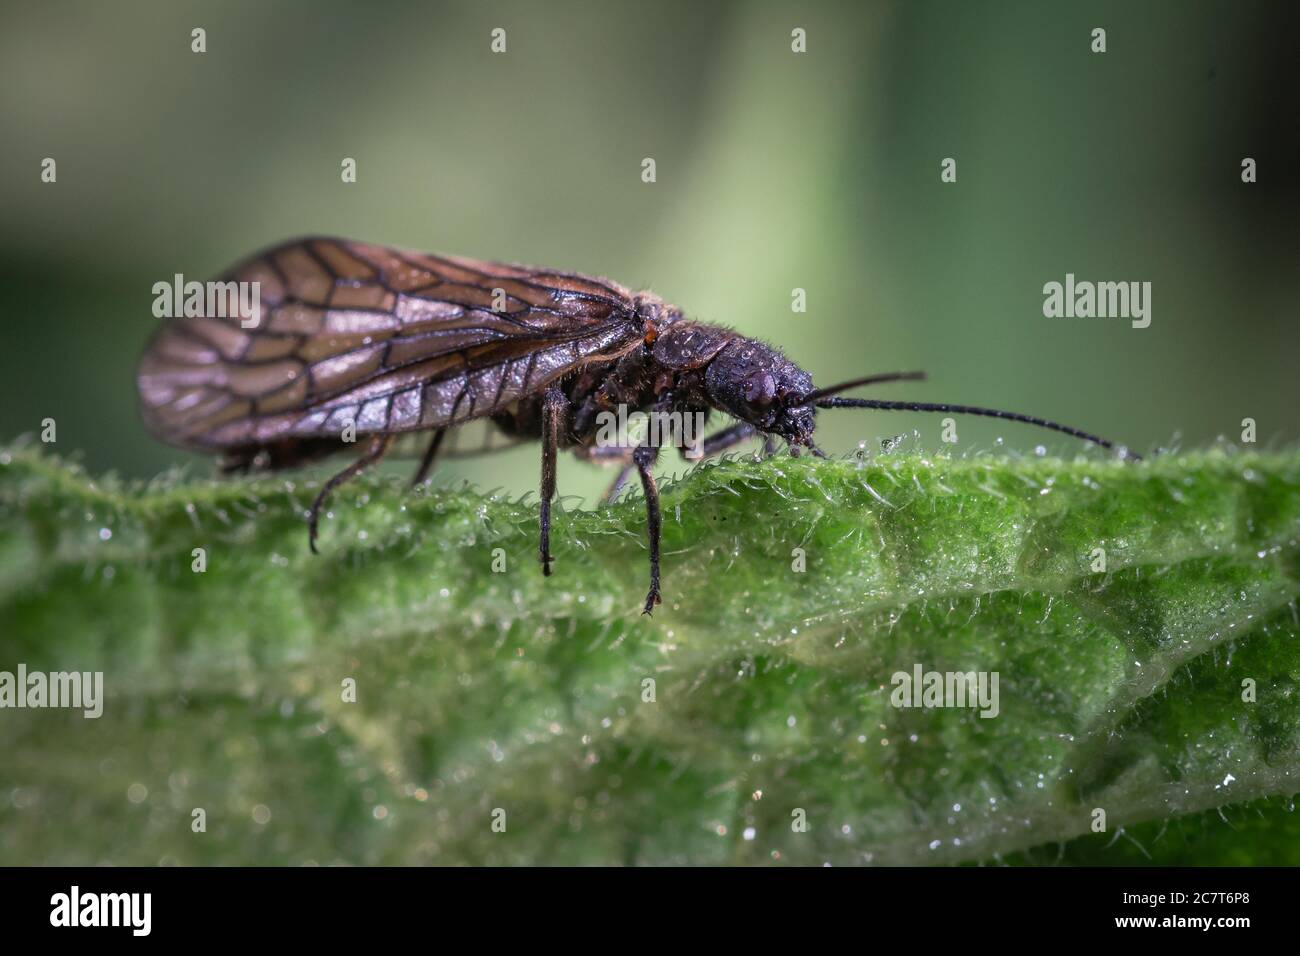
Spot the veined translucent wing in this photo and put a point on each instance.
(386, 340)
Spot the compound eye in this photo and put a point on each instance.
(760, 390)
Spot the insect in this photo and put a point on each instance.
(359, 342)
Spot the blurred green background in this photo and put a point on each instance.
(775, 170)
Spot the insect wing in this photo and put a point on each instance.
(387, 341)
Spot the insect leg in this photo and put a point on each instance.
(378, 445)
(610, 454)
(554, 405)
(729, 437)
(617, 484)
(430, 453)
(644, 458)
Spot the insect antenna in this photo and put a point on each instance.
(967, 410)
(869, 380)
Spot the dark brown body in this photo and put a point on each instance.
(356, 344)
(672, 364)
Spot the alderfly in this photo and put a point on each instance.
(350, 342)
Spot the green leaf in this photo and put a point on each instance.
(479, 691)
